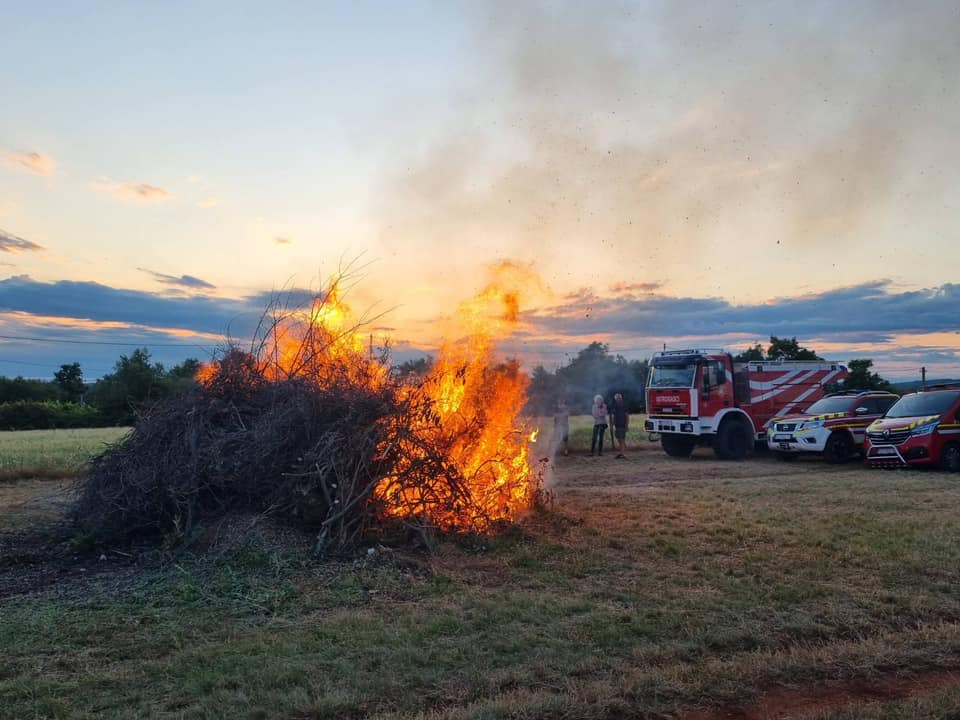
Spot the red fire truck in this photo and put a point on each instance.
(701, 397)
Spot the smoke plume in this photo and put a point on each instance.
(645, 131)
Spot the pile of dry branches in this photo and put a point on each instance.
(296, 427)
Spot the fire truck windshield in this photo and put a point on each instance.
(672, 375)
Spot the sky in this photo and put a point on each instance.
(673, 173)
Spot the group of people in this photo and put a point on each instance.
(616, 413)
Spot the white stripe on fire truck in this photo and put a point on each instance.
(765, 384)
(776, 391)
(806, 394)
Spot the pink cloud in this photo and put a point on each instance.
(34, 162)
(134, 191)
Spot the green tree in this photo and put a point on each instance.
(19, 388)
(69, 379)
(544, 391)
(751, 354)
(134, 382)
(860, 377)
(595, 371)
(186, 370)
(779, 349)
(784, 349)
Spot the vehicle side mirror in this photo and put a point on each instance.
(862, 410)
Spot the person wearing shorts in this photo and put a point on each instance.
(619, 421)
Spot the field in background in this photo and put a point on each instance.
(52, 453)
(694, 589)
(581, 431)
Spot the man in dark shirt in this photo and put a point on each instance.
(619, 421)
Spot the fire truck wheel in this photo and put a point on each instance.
(733, 440)
(677, 445)
(950, 459)
(839, 448)
(785, 456)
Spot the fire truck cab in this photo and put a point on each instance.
(701, 397)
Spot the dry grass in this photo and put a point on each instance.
(52, 453)
(654, 588)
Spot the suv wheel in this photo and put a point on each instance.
(950, 459)
(839, 448)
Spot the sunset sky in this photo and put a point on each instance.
(695, 174)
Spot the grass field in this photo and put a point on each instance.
(581, 432)
(51, 453)
(692, 589)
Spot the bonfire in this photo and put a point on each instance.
(310, 424)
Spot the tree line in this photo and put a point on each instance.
(593, 371)
(596, 371)
(860, 375)
(67, 401)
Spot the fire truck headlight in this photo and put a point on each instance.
(812, 425)
(925, 429)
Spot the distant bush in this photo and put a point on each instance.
(48, 415)
(18, 388)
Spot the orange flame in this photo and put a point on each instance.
(471, 405)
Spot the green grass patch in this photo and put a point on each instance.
(52, 453)
(581, 432)
(702, 593)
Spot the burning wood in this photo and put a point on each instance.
(311, 424)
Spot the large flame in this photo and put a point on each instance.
(468, 406)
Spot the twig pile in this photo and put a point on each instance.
(304, 427)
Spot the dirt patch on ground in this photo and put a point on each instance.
(33, 561)
(797, 703)
(647, 465)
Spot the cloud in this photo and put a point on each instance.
(34, 162)
(899, 329)
(865, 311)
(10, 243)
(208, 203)
(134, 191)
(102, 303)
(187, 281)
(645, 288)
(282, 241)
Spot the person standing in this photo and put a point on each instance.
(599, 425)
(620, 421)
(561, 426)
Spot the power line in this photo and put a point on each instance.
(24, 362)
(45, 365)
(101, 342)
